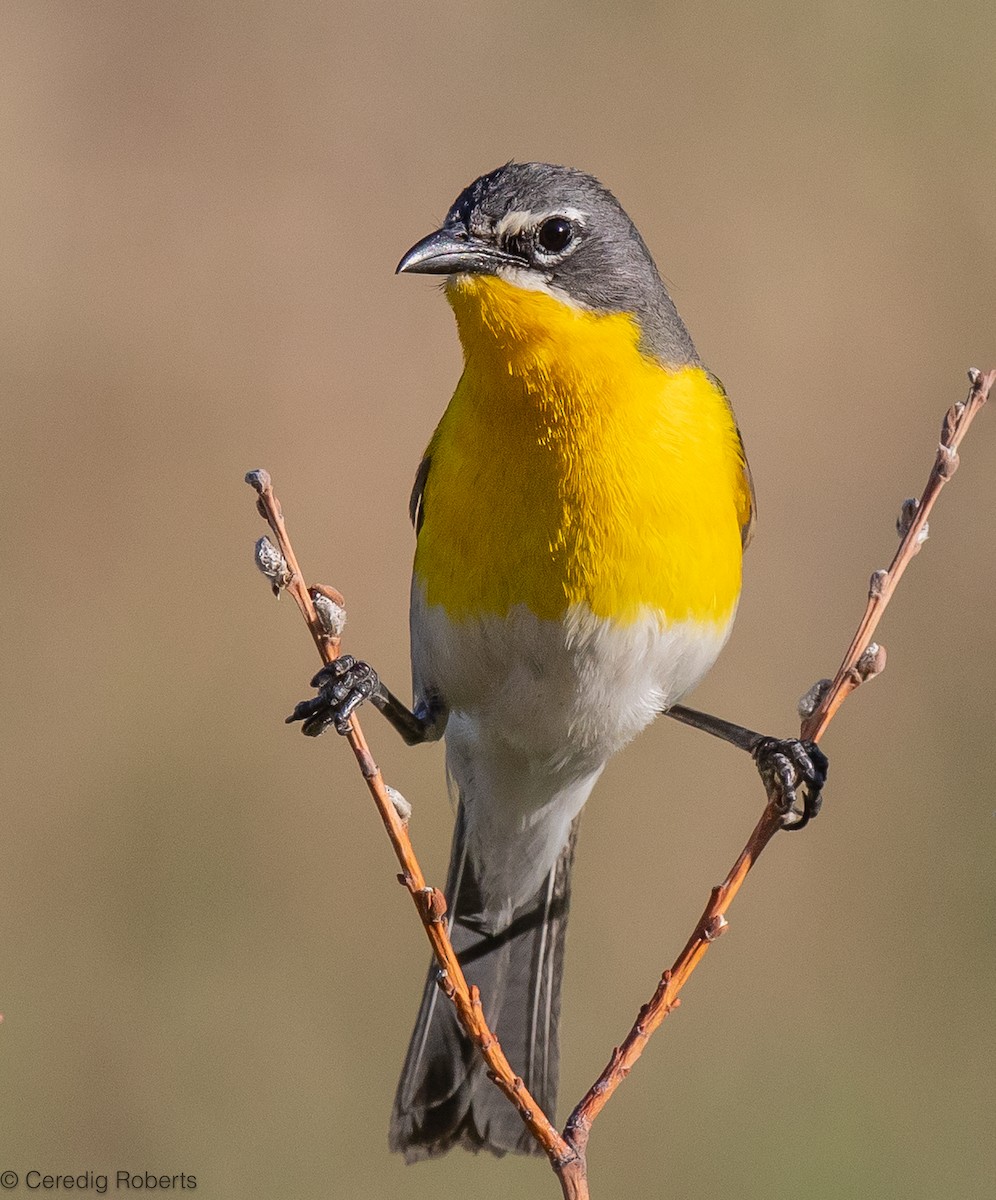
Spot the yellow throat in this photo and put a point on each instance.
(571, 469)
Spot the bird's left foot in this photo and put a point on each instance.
(793, 772)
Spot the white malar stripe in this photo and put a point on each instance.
(527, 278)
(530, 280)
(537, 709)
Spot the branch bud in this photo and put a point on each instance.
(876, 584)
(947, 461)
(432, 905)
(907, 512)
(811, 701)
(401, 805)
(715, 927)
(904, 522)
(273, 565)
(871, 662)
(330, 609)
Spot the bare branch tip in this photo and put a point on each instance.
(259, 480)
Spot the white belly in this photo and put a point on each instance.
(536, 710)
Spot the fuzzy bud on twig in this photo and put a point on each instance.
(401, 805)
(904, 523)
(907, 512)
(715, 927)
(273, 565)
(876, 585)
(947, 461)
(330, 607)
(810, 702)
(871, 662)
(432, 904)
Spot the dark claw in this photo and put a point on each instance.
(343, 685)
(792, 771)
(333, 670)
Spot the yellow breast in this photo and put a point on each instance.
(571, 469)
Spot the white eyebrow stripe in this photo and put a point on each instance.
(520, 221)
(514, 223)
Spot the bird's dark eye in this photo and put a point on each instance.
(555, 234)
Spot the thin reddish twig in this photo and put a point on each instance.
(914, 531)
(862, 661)
(430, 903)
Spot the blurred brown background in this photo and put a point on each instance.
(207, 966)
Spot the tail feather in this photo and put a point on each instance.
(444, 1097)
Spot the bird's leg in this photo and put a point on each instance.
(344, 684)
(790, 769)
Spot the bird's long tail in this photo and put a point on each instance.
(444, 1097)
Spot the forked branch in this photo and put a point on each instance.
(322, 609)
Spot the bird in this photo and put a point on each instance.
(580, 513)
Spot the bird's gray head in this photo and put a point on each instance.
(558, 230)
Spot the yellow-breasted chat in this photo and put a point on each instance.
(581, 513)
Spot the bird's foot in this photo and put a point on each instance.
(342, 685)
(792, 772)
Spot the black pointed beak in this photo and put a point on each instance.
(454, 252)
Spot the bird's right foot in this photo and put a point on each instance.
(342, 685)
